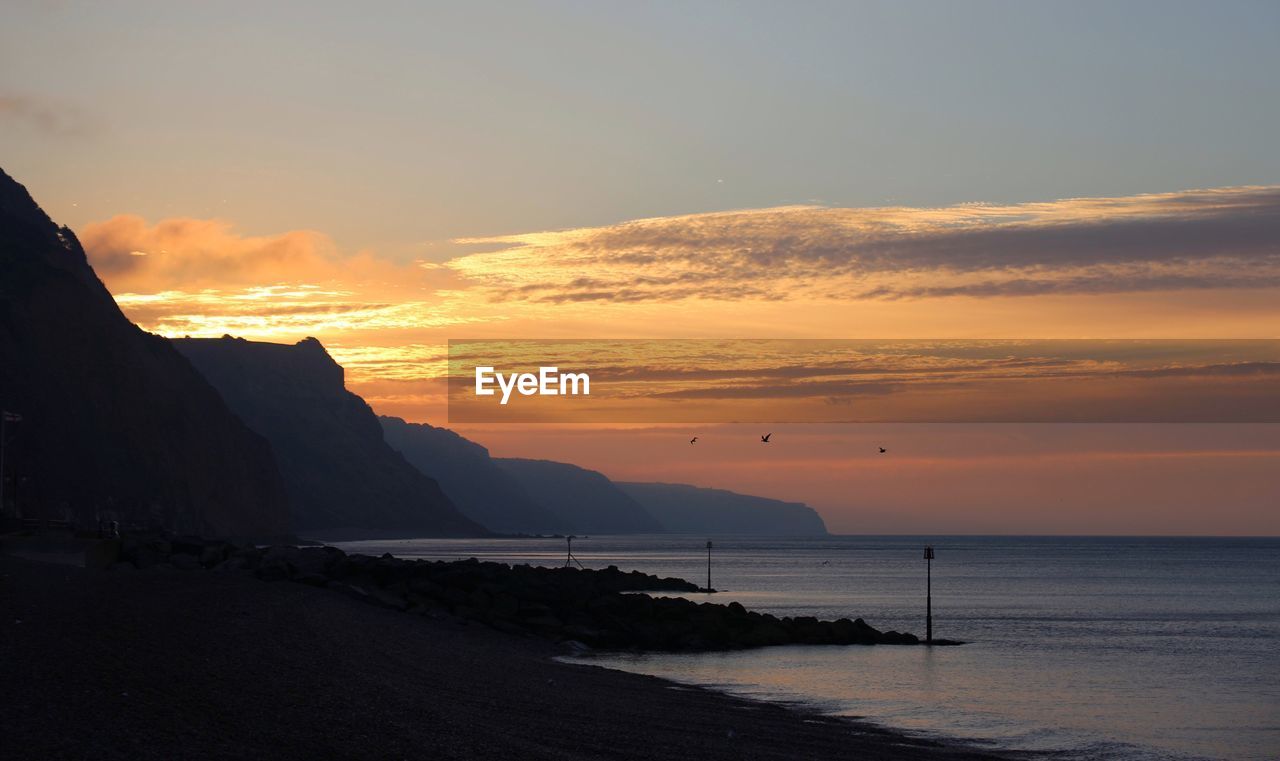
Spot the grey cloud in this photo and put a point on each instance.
(43, 115)
(1224, 238)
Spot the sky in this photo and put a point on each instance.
(386, 177)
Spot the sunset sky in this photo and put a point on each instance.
(386, 180)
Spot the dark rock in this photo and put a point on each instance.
(185, 561)
(213, 554)
(598, 608)
(313, 579)
(583, 500)
(146, 556)
(341, 476)
(234, 564)
(545, 622)
(684, 509)
(187, 546)
(273, 572)
(387, 598)
(102, 554)
(481, 489)
(114, 419)
(353, 590)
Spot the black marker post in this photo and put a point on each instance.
(928, 595)
(708, 566)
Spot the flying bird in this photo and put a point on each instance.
(765, 438)
(694, 440)
(883, 450)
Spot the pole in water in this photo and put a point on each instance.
(928, 594)
(569, 559)
(708, 566)
(4, 418)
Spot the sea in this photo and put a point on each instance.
(1075, 647)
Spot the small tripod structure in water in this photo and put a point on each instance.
(569, 559)
(928, 594)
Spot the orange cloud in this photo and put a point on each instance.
(190, 254)
(198, 277)
(1176, 265)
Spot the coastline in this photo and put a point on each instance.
(167, 664)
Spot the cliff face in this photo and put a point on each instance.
(685, 509)
(115, 423)
(541, 496)
(586, 501)
(341, 475)
(482, 490)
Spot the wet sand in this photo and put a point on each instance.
(164, 664)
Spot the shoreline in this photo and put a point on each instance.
(163, 664)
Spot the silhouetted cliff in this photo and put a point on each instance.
(585, 500)
(115, 423)
(481, 489)
(685, 509)
(341, 475)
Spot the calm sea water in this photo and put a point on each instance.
(1143, 648)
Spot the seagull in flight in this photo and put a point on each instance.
(765, 438)
(694, 440)
(883, 450)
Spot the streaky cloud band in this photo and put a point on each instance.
(1218, 238)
